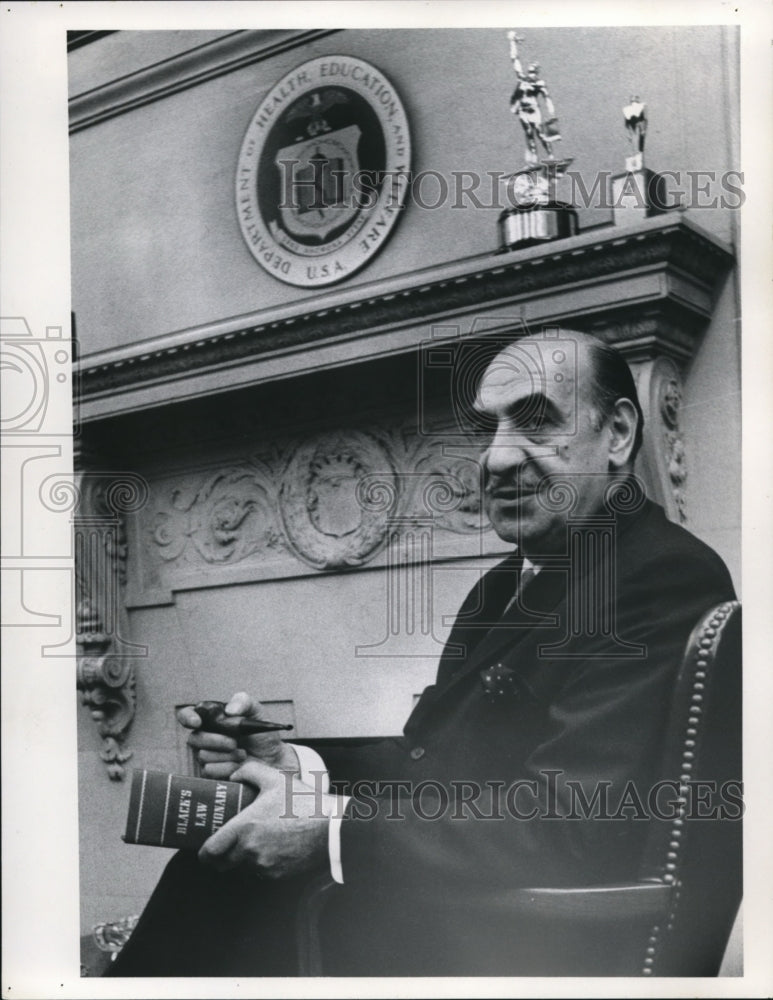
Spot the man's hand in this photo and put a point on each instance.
(283, 832)
(219, 756)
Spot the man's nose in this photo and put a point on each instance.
(507, 451)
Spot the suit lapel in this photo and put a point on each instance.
(535, 609)
(481, 609)
(488, 631)
(536, 612)
(542, 609)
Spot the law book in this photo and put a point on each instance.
(173, 810)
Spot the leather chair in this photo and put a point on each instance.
(675, 920)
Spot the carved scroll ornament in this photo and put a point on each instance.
(105, 671)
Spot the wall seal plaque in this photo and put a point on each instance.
(323, 171)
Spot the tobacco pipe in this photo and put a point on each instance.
(214, 720)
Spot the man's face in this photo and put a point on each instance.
(534, 395)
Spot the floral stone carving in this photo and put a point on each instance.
(228, 518)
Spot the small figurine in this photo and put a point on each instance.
(638, 193)
(635, 114)
(525, 103)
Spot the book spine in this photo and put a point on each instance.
(170, 810)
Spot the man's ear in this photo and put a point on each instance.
(622, 427)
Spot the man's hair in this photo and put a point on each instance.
(611, 379)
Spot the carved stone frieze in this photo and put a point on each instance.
(105, 671)
(440, 484)
(227, 517)
(329, 502)
(343, 498)
(659, 384)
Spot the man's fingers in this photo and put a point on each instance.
(259, 775)
(220, 849)
(242, 703)
(220, 757)
(212, 741)
(188, 717)
(221, 772)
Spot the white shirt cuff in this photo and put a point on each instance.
(312, 768)
(334, 840)
(313, 772)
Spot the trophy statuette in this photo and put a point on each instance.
(638, 192)
(535, 215)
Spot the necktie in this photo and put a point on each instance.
(499, 681)
(527, 575)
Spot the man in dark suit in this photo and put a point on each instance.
(529, 761)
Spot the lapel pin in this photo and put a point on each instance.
(499, 682)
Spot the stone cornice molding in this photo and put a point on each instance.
(231, 52)
(649, 289)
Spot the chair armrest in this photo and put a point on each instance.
(638, 902)
(632, 901)
(602, 902)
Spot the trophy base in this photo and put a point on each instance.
(636, 195)
(527, 226)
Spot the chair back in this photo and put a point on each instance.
(676, 919)
(698, 852)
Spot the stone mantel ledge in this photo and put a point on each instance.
(649, 288)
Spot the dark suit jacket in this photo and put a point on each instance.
(585, 700)
(584, 666)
